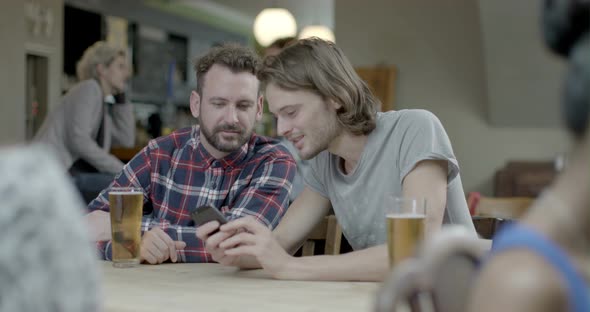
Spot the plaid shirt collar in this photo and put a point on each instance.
(233, 159)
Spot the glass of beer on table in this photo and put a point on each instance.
(406, 219)
(126, 209)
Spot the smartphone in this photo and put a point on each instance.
(207, 213)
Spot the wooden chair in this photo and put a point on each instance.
(503, 207)
(489, 213)
(327, 230)
(438, 279)
(381, 80)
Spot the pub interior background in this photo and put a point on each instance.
(479, 65)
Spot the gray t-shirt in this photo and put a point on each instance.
(400, 140)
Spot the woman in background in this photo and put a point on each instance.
(90, 119)
(543, 264)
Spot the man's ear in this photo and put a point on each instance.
(259, 107)
(334, 104)
(195, 103)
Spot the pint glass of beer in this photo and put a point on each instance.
(405, 227)
(126, 211)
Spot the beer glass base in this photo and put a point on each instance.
(126, 263)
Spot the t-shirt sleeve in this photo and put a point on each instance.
(424, 138)
(316, 175)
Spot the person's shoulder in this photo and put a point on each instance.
(89, 83)
(405, 117)
(89, 87)
(520, 280)
(409, 121)
(270, 148)
(173, 141)
(417, 115)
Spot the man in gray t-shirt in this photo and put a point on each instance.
(357, 156)
(359, 197)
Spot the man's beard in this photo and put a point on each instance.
(214, 138)
(321, 138)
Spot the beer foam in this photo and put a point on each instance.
(125, 193)
(405, 216)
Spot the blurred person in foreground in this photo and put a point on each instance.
(47, 261)
(543, 263)
(92, 117)
(220, 162)
(357, 158)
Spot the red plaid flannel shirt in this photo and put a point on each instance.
(178, 175)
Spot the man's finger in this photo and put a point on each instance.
(150, 257)
(243, 250)
(171, 247)
(215, 239)
(158, 254)
(206, 229)
(248, 223)
(159, 243)
(243, 238)
(178, 245)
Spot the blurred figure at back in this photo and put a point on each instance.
(543, 264)
(46, 263)
(92, 117)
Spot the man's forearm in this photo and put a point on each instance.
(369, 264)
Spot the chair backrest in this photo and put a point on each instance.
(438, 279)
(498, 207)
(327, 230)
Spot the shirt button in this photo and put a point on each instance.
(213, 185)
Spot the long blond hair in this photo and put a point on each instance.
(320, 66)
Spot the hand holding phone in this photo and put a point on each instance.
(207, 213)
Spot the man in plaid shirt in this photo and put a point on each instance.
(221, 162)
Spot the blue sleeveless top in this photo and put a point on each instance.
(519, 236)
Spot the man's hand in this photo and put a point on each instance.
(204, 233)
(255, 239)
(157, 247)
(99, 225)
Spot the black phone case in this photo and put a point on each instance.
(207, 213)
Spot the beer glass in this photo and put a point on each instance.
(405, 227)
(126, 211)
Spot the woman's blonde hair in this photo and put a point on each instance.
(320, 66)
(98, 53)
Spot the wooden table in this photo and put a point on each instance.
(212, 287)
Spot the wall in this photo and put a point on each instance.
(437, 47)
(523, 77)
(17, 41)
(12, 62)
(306, 12)
(201, 28)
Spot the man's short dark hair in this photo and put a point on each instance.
(234, 56)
